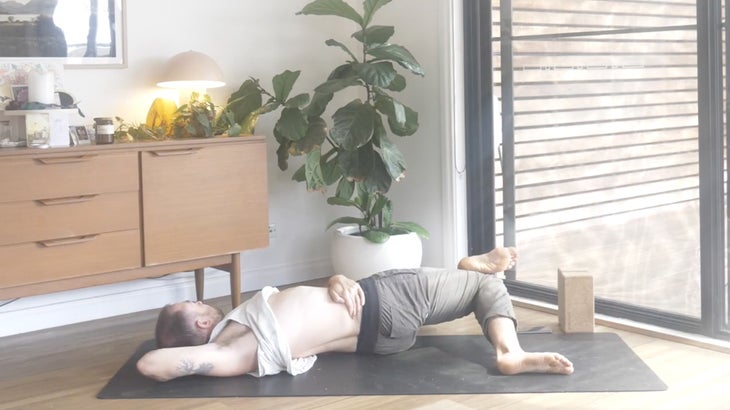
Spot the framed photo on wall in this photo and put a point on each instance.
(77, 33)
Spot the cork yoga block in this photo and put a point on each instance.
(576, 304)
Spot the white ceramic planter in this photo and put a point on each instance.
(356, 257)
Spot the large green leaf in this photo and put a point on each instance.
(313, 171)
(332, 8)
(353, 125)
(330, 171)
(402, 120)
(370, 7)
(345, 188)
(334, 200)
(409, 127)
(271, 105)
(283, 84)
(282, 155)
(397, 53)
(387, 212)
(378, 179)
(298, 101)
(341, 71)
(299, 174)
(349, 220)
(379, 74)
(398, 83)
(245, 100)
(335, 43)
(292, 124)
(248, 124)
(314, 137)
(318, 104)
(393, 159)
(356, 165)
(376, 236)
(413, 227)
(332, 86)
(374, 35)
(379, 205)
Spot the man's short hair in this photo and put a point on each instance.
(175, 329)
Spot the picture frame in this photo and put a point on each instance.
(82, 137)
(68, 41)
(20, 93)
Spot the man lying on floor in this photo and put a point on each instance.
(276, 331)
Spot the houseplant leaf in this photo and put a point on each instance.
(335, 43)
(392, 158)
(332, 8)
(345, 188)
(413, 227)
(314, 137)
(398, 83)
(397, 53)
(403, 121)
(333, 200)
(244, 101)
(292, 124)
(313, 171)
(378, 179)
(337, 84)
(356, 164)
(376, 236)
(374, 35)
(283, 84)
(369, 8)
(379, 74)
(318, 104)
(350, 220)
(298, 101)
(353, 125)
(282, 156)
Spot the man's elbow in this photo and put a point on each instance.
(147, 369)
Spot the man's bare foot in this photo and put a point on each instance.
(496, 260)
(523, 362)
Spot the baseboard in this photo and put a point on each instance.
(81, 305)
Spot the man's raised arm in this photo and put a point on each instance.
(207, 360)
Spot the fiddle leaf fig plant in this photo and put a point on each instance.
(355, 152)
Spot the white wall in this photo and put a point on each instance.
(261, 39)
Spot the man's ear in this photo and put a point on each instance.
(203, 323)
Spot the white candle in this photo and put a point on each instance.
(41, 87)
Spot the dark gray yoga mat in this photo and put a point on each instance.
(435, 365)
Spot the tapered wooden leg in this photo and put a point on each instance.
(200, 283)
(235, 272)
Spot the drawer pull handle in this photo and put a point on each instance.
(64, 160)
(175, 152)
(66, 200)
(67, 241)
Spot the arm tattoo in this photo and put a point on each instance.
(188, 367)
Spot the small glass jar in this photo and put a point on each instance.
(103, 130)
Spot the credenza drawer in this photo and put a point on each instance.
(42, 261)
(39, 176)
(51, 218)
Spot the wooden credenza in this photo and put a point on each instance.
(98, 214)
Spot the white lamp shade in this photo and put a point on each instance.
(192, 70)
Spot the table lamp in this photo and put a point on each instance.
(191, 71)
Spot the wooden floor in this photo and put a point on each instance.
(64, 368)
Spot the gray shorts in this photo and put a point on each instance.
(409, 299)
